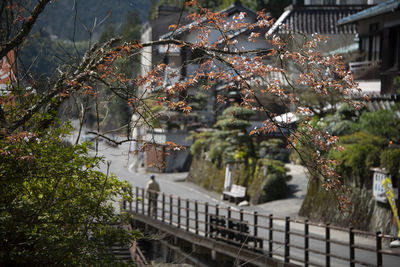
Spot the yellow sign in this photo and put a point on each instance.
(387, 184)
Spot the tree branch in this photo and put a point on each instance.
(25, 30)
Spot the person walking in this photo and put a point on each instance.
(152, 191)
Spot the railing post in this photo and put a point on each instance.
(206, 219)
(255, 223)
(379, 262)
(287, 239)
(143, 199)
(351, 246)
(306, 243)
(187, 214)
(163, 208)
(327, 246)
(137, 200)
(270, 238)
(196, 217)
(179, 212)
(242, 237)
(170, 209)
(216, 226)
(255, 228)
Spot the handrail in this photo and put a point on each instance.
(268, 234)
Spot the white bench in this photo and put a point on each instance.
(236, 194)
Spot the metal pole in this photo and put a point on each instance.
(255, 228)
(306, 243)
(379, 262)
(206, 219)
(242, 237)
(327, 246)
(287, 239)
(187, 214)
(179, 212)
(170, 209)
(270, 230)
(196, 214)
(163, 208)
(143, 199)
(351, 246)
(217, 225)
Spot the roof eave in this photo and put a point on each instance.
(377, 10)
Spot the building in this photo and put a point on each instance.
(307, 17)
(182, 63)
(379, 45)
(7, 70)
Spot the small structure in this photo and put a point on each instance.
(378, 190)
(379, 33)
(236, 194)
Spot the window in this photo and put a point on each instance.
(394, 37)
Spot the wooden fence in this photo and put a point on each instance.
(294, 241)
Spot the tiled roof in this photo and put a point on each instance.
(382, 8)
(321, 20)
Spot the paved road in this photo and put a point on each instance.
(174, 184)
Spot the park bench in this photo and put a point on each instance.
(217, 225)
(236, 194)
(232, 231)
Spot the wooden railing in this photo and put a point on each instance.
(294, 241)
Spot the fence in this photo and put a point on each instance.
(294, 241)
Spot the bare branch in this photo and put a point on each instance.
(26, 29)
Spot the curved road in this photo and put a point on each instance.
(174, 184)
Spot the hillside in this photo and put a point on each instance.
(58, 18)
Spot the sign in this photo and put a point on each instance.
(387, 184)
(378, 190)
(228, 176)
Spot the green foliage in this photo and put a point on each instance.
(390, 160)
(361, 152)
(270, 181)
(131, 27)
(56, 207)
(273, 149)
(109, 32)
(230, 142)
(232, 123)
(198, 101)
(238, 112)
(383, 123)
(43, 55)
(201, 141)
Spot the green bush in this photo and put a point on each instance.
(383, 123)
(361, 152)
(390, 160)
(274, 187)
(269, 181)
(238, 112)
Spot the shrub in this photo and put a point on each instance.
(390, 160)
(383, 123)
(269, 182)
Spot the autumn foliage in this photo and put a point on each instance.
(25, 116)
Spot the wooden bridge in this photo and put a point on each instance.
(255, 239)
